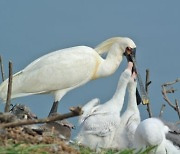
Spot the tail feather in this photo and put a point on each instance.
(4, 87)
(17, 90)
(3, 90)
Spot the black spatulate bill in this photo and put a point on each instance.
(130, 55)
(138, 97)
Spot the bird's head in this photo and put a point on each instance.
(128, 46)
(125, 44)
(129, 50)
(22, 112)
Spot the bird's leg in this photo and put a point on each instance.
(54, 108)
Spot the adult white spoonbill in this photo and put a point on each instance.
(100, 122)
(152, 132)
(130, 119)
(63, 70)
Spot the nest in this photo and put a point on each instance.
(22, 135)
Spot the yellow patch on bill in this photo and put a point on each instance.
(145, 101)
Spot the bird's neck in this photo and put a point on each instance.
(132, 103)
(112, 61)
(119, 95)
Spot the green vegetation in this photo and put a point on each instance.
(85, 150)
(24, 149)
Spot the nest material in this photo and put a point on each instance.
(21, 135)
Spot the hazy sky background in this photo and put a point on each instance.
(30, 29)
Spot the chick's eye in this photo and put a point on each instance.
(21, 109)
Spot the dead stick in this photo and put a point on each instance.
(2, 69)
(177, 108)
(166, 98)
(164, 93)
(171, 90)
(8, 100)
(170, 83)
(147, 91)
(75, 111)
(162, 110)
(177, 123)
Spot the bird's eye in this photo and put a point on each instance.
(22, 109)
(128, 51)
(129, 48)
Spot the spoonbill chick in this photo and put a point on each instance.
(100, 122)
(130, 119)
(152, 132)
(63, 70)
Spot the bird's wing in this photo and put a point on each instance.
(101, 124)
(63, 56)
(88, 109)
(97, 110)
(174, 137)
(56, 71)
(131, 125)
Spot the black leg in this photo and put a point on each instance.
(54, 108)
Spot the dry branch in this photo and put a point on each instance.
(166, 98)
(177, 108)
(177, 123)
(147, 83)
(170, 83)
(2, 69)
(171, 90)
(8, 100)
(75, 111)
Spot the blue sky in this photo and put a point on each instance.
(30, 29)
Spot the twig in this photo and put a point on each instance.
(171, 90)
(75, 111)
(162, 110)
(170, 83)
(8, 100)
(166, 98)
(147, 83)
(177, 108)
(2, 69)
(177, 123)
(164, 93)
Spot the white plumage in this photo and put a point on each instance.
(130, 119)
(88, 109)
(63, 70)
(100, 122)
(152, 132)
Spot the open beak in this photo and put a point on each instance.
(130, 54)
